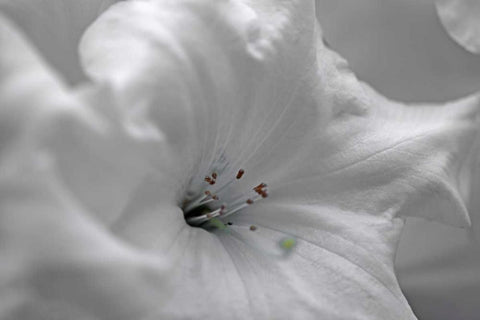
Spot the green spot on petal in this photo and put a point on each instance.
(217, 224)
(288, 243)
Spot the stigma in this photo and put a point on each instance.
(217, 199)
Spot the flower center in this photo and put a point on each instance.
(209, 204)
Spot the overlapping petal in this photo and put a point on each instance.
(55, 28)
(60, 260)
(461, 19)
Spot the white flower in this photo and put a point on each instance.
(96, 178)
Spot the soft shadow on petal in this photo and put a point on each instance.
(59, 261)
(461, 19)
(55, 28)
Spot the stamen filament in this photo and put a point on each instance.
(202, 209)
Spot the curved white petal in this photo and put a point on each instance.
(341, 258)
(223, 80)
(55, 28)
(461, 19)
(382, 157)
(60, 260)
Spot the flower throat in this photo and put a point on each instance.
(205, 207)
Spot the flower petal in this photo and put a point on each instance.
(382, 157)
(341, 259)
(234, 87)
(55, 28)
(60, 260)
(461, 19)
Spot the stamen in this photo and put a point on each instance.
(198, 220)
(211, 179)
(196, 202)
(240, 174)
(260, 187)
(200, 210)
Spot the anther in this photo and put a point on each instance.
(260, 187)
(240, 174)
(214, 175)
(249, 201)
(222, 208)
(253, 228)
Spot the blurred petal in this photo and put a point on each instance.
(55, 28)
(461, 19)
(60, 260)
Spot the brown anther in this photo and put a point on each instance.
(260, 187)
(264, 194)
(208, 179)
(249, 201)
(214, 175)
(207, 193)
(253, 228)
(212, 182)
(215, 197)
(240, 173)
